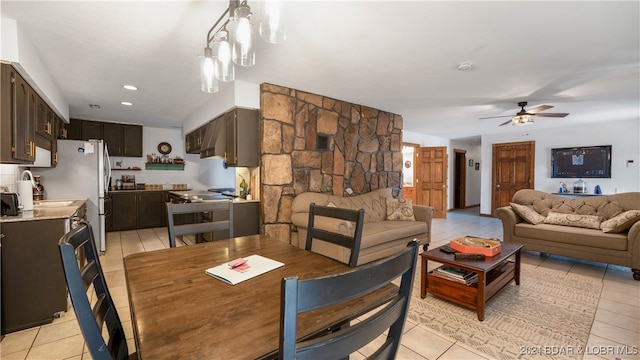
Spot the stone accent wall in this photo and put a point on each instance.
(364, 151)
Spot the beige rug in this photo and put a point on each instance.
(549, 308)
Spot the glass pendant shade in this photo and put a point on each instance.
(272, 29)
(208, 81)
(243, 38)
(224, 69)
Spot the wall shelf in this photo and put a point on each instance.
(155, 166)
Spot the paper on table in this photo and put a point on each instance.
(255, 265)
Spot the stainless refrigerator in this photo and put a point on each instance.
(83, 171)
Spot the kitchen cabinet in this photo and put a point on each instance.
(123, 139)
(152, 209)
(34, 289)
(74, 129)
(91, 130)
(17, 121)
(137, 209)
(44, 119)
(193, 140)
(238, 141)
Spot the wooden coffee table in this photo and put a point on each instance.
(494, 273)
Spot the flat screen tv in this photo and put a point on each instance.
(581, 162)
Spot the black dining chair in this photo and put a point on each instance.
(300, 296)
(86, 283)
(219, 212)
(354, 218)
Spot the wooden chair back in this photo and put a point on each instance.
(212, 207)
(351, 242)
(80, 278)
(299, 296)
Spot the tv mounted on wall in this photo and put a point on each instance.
(581, 162)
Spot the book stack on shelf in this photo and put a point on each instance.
(458, 275)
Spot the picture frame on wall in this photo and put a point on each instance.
(477, 166)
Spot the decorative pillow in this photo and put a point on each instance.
(577, 220)
(400, 209)
(621, 222)
(528, 214)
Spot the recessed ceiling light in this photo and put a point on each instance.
(94, 106)
(126, 103)
(129, 87)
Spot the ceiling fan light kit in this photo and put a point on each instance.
(524, 117)
(234, 41)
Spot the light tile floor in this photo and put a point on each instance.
(616, 324)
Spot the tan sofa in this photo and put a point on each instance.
(575, 239)
(380, 237)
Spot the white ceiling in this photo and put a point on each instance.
(581, 57)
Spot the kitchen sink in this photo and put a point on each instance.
(53, 203)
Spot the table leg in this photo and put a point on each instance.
(517, 268)
(482, 284)
(423, 278)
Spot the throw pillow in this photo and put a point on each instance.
(400, 209)
(620, 222)
(528, 214)
(577, 220)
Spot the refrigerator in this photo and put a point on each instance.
(83, 171)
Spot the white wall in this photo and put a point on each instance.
(624, 136)
(198, 174)
(18, 49)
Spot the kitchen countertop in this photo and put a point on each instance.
(203, 193)
(47, 209)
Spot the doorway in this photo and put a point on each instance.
(409, 154)
(460, 179)
(431, 179)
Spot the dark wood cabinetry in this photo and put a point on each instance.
(193, 140)
(234, 137)
(137, 210)
(121, 139)
(17, 126)
(33, 285)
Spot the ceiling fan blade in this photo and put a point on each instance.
(495, 117)
(551, 114)
(505, 123)
(540, 108)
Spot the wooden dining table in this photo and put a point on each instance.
(179, 312)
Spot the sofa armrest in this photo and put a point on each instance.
(633, 237)
(509, 220)
(424, 213)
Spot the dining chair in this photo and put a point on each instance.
(331, 233)
(315, 294)
(218, 212)
(81, 276)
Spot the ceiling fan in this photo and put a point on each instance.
(524, 117)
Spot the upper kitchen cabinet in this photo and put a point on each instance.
(193, 140)
(234, 136)
(44, 119)
(123, 139)
(92, 130)
(17, 121)
(242, 137)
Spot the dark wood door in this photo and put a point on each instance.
(513, 169)
(113, 136)
(74, 129)
(152, 209)
(41, 116)
(23, 120)
(124, 213)
(431, 184)
(132, 140)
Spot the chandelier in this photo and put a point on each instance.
(233, 41)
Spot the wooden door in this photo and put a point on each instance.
(513, 169)
(431, 182)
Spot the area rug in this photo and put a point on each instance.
(549, 316)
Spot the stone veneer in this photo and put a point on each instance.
(364, 151)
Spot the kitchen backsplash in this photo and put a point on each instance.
(9, 175)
